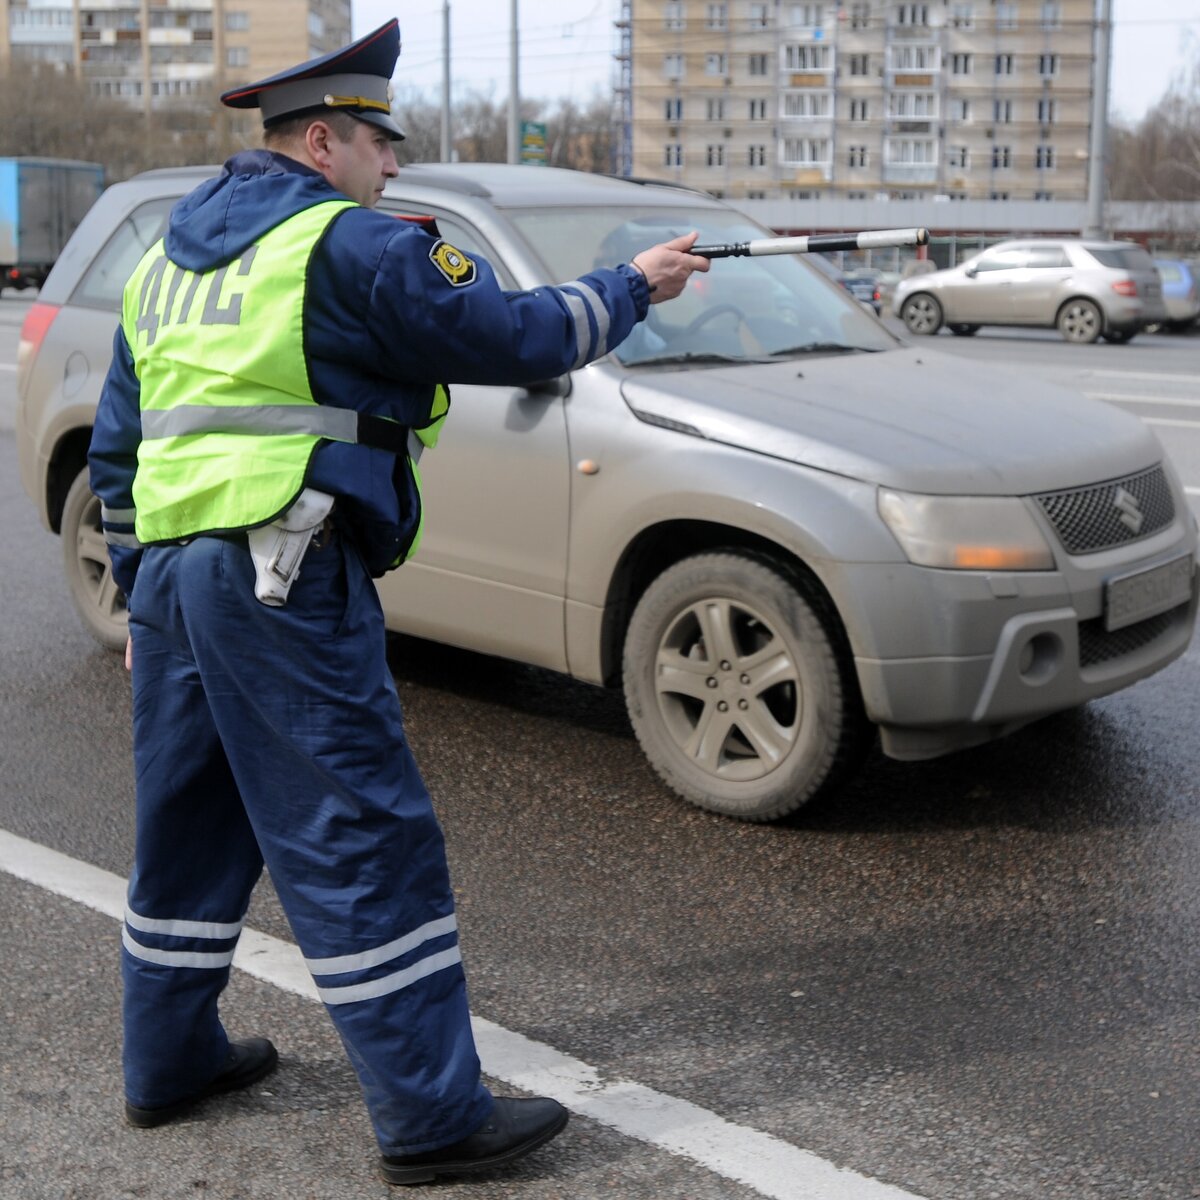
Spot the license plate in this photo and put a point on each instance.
(1135, 597)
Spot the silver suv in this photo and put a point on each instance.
(776, 526)
(1085, 289)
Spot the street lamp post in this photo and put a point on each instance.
(1097, 151)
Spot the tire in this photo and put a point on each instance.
(792, 724)
(964, 330)
(922, 314)
(1080, 321)
(97, 599)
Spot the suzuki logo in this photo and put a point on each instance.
(1126, 503)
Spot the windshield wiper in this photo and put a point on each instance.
(693, 356)
(825, 348)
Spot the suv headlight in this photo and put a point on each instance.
(966, 533)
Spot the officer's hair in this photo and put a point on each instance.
(342, 124)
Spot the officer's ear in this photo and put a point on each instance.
(317, 139)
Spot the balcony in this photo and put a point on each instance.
(910, 172)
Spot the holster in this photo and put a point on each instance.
(279, 548)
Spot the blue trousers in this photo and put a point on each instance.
(275, 734)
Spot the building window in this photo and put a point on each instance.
(806, 152)
(237, 56)
(856, 195)
(673, 154)
(1047, 111)
(758, 110)
(806, 58)
(237, 22)
(911, 151)
(997, 195)
(760, 16)
(960, 64)
(1047, 65)
(860, 16)
(673, 66)
(913, 104)
(715, 109)
(858, 110)
(806, 104)
(754, 194)
(914, 58)
(673, 15)
(758, 64)
(858, 156)
(715, 155)
(758, 156)
(1045, 158)
(1043, 195)
(1006, 15)
(806, 14)
(860, 64)
(912, 14)
(958, 156)
(718, 16)
(1002, 112)
(1001, 156)
(1004, 64)
(716, 63)
(1051, 14)
(673, 109)
(962, 16)
(960, 110)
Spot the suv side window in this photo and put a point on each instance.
(1047, 256)
(104, 280)
(1000, 260)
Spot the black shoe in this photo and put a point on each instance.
(249, 1061)
(514, 1129)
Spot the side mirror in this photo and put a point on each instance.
(971, 272)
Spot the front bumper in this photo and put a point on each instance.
(1004, 650)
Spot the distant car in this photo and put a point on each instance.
(1085, 289)
(859, 291)
(863, 283)
(1179, 293)
(775, 525)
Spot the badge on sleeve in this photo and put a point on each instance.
(458, 269)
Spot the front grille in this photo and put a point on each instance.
(1108, 514)
(1097, 644)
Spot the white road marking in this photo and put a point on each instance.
(766, 1164)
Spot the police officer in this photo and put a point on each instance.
(278, 353)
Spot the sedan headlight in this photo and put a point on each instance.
(966, 533)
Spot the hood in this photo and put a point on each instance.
(255, 191)
(909, 419)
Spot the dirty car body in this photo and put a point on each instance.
(779, 528)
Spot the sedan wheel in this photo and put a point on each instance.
(1080, 321)
(738, 688)
(922, 314)
(95, 594)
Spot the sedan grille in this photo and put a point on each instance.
(1108, 514)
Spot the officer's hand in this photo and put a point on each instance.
(667, 267)
(129, 654)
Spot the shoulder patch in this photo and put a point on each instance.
(458, 269)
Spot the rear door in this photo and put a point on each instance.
(1037, 285)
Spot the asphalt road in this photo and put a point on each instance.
(973, 979)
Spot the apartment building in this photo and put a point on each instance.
(767, 99)
(155, 53)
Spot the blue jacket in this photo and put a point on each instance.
(382, 323)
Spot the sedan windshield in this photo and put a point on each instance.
(742, 310)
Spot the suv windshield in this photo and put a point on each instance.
(743, 310)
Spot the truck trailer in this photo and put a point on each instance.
(41, 202)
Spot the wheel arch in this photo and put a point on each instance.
(662, 545)
(65, 463)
